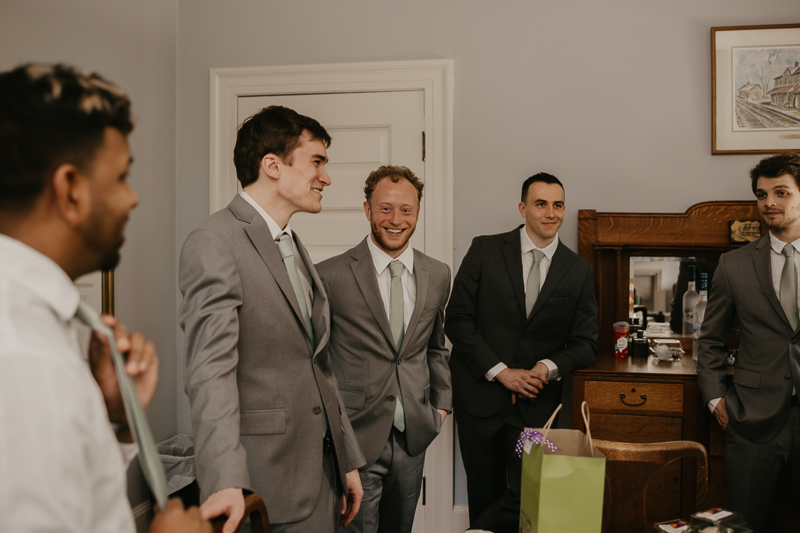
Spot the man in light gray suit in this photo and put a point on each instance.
(266, 411)
(388, 349)
(757, 286)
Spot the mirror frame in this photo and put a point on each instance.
(608, 240)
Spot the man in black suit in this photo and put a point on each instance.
(522, 316)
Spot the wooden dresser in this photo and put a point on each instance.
(641, 399)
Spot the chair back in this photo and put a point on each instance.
(628, 470)
(255, 509)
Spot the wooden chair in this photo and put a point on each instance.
(254, 508)
(628, 470)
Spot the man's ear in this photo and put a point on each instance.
(71, 194)
(368, 211)
(271, 166)
(522, 209)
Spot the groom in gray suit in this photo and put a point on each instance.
(388, 349)
(266, 410)
(757, 286)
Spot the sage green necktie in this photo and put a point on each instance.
(534, 277)
(149, 459)
(284, 242)
(396, 320)
(789, 286)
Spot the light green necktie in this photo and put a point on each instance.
(534, 278)
(149, 459)
(284, 242)
(789, 286)
(396, 320)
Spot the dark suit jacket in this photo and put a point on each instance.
(365, 361)
(769, 351)
(487, 325)
(255, 382)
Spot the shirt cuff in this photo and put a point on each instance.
(712, 404)
(553, 376)
(496, 369)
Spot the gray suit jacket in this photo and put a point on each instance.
(255, 383)
(769, 354)
(366, 362)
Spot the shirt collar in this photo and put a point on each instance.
(777, 245)
(381, 259)
(527, 244)
(40, 275)
(273, 226)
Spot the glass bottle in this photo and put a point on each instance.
(690, 298)
(700, 311)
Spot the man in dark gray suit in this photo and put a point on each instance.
(266, 410)
(388, 349)
(522, 317)
(756, 286)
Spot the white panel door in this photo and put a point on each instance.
(369, 129)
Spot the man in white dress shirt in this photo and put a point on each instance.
(756, 287)
(388, 349)
(64, 201)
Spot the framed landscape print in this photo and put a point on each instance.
(755, 89)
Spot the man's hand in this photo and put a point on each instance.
(351, 502)
(721, 413)
(141, 365)
(176, 519)
(225, 502)
(524, 383)
(444, 415)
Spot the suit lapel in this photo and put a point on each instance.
(259, 234)
(421, 279)
(512, 254)
(558, 267)
(320, 312)
(762, 262)
(364, 271)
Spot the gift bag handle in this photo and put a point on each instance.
(585, 413)
(549, 423)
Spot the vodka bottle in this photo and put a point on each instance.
(690, 298)
(700, 311)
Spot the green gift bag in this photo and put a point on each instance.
(562, 491)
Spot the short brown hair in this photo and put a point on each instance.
(273, 130)
(775, 167)
(395, 173)
(51, 115)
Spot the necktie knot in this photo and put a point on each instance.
(284, 242)
(788, 250)
(538, 255)
(395, 268)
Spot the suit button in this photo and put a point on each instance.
(390, 397)
(317, 410)
(787, 376)
(398, 363)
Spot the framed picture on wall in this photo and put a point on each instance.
(755, 89)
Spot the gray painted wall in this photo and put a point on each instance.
(134, 45)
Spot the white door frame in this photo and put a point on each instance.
(435, 78)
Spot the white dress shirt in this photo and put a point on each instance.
(776, 260)
(381, 261)
(61, 467)
(544, 267)
(276, 231)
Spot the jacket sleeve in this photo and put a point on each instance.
(212, 294)
(580, 350)
(438, 356)
(712, 351)
(462, 311)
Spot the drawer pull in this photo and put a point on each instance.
(643, 396)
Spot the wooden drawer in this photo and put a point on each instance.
(639, 429)
(659, 398)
